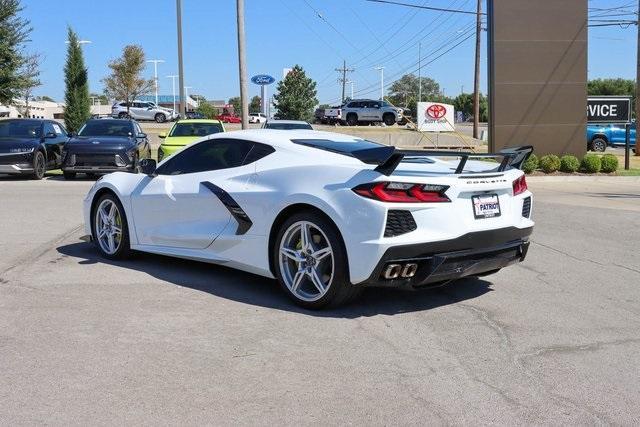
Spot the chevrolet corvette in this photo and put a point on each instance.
(325, 214)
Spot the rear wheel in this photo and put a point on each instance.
(39, 165)
(123, 115)
(599, 144)
(311, 262)
(110, 231)
(352, 120)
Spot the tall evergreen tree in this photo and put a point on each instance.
(296, 96)
(76, 97)
(14, 34)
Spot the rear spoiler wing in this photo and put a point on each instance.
(388, 158)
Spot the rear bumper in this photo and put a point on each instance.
(436, 262)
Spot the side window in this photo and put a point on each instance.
(59, 129)
(209, 155)
(48, 128)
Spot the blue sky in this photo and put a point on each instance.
(281, 33)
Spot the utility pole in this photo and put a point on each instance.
(155, 74)
(461, 89)
(242, 66)
(638, 85)
(344, 70)
(381, 69)
(173, 89)
(183, 104)
(419, 71)
(476, 80)
(351, 88)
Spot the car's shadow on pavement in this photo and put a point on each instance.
(251, 289)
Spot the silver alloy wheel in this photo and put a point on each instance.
(306, 261)
(108, 223)
(40, 167)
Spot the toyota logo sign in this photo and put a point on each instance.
(436, 111)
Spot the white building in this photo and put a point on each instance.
(45, 110)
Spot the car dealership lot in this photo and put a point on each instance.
(158, 340)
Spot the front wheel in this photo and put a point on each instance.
(599, 144)
(109, 228)
(389, 119)
(311, 262)
(160, 118)
(123, 115)
(39, 165)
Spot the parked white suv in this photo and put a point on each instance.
(369, 111)
(142, 110)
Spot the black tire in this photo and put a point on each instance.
(599, 144)
(160, 118)
(69, 175)
(389, 119)
(124, 249)
(39, 165)
(123, 115)
(340, 290)
(352, 119)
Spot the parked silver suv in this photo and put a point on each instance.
(368, 111)
(142, 110)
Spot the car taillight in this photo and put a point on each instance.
(402, 192)
(519, 185)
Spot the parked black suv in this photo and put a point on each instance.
(105, 145)
(30, 146)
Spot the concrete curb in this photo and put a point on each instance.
(585, 178)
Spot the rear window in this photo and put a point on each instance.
(195, 129)
(341, 147)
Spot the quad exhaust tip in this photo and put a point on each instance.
(406, 271)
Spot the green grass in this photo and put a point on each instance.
(630, 172)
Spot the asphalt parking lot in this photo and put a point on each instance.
(155, 340)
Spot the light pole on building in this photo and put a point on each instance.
(155, 74)
(381, 69)
(173, 89)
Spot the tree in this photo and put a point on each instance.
(296, 96)
(404, 91)
(30, 70)
(464, 103)
(254, 105)
(126, 82)
(44, 98)
(77, 108)
(15, 77)
(611, 87)
(235, 102)
(102, 98)
(207, 110)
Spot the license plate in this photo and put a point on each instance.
(486, 206)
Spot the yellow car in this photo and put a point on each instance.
(184, 132)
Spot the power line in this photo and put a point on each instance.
(441, 9)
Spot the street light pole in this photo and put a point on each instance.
(476, 79)
(381, 69)
(155, 74)
(638, 85)
(173, 89)
(242, 66)
(419, 71)
(180, 67)
(186, 96)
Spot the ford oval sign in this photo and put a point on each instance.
(262, 79)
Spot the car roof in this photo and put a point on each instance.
(289, 122)
(211, 121)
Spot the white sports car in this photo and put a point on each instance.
(323, 213)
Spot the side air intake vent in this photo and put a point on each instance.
(399, 222)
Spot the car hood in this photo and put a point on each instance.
(99, 143)
(16, 145)
(180, 140)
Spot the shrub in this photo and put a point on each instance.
(609, 163)
(569, 163)
(591, 163)
(531, 164)
(549, 163)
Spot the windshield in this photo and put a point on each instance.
(195, 129)
(20, 129)
(288, 126)
(106, 128)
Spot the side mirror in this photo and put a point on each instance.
(149, 108)
(50, 135)
(141, 135)
(147, 166)
(162, 135)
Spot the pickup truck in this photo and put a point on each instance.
(601, 136)
(332, 115)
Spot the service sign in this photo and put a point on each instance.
(608, 109)
(262, 79)
(435, 117)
